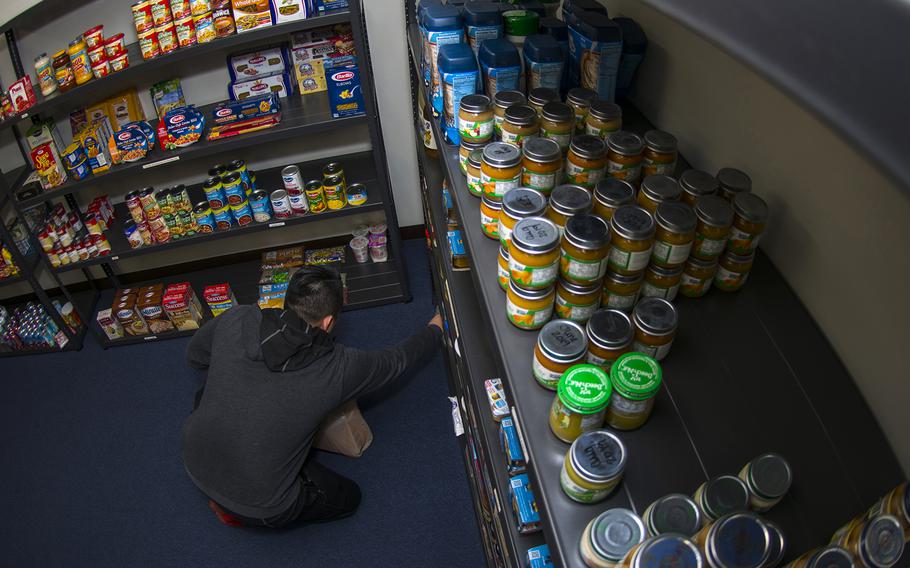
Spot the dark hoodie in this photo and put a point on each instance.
(272, 379)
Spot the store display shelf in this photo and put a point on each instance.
(31, 263)
(300, 116)
(74, 344)
(141, 70)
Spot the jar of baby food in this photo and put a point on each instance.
(897, 503)
(715, 217)
(721, 496)
(655, 321)
(529, 308)
(697, 277)
(472, 174)
(655, 190)
(660, 154)
(501, 101)
(520, 122)
(585, 246)
(733, 181)
(609, 537)
(560, 344)
(750, 215)
(610, 334)
(694, 184)
(674, 235)
(674, 513)
(738, 539)
(831, 556)
(534, 253)
(566, 201)
(661, 282)
(666, 550)
(518, 204)
(577, 302)
(636, 379)
(593, 466)
(768, 478)
(541, 164)
(732, 271)
(632, 239)
(475, 118)
(580, 99)
(464, 152)
(581, 400)
(611, 193)
(624, 156)
(604, 118)
(586, 161)
(489, 217)
(540, 96)
(502, 269)
(500, 169)
(621, 290)
(557, 122)
(875, 542)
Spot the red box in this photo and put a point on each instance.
(22, 95)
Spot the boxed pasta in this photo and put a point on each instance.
(261, 63)
(251, 14)
(279, 84)
(289, 10)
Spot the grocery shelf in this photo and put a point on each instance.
(141, 70)
(31, 263)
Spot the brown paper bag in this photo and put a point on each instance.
(345, 432)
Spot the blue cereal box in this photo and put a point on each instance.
(524, 506)
(511, 447)
(345, 94)
(539, 557)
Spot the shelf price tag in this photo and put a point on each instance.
(278, 224)
(151, 338)
(24, 116)
(115, 257)
(160, 162)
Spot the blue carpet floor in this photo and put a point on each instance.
(91, 472)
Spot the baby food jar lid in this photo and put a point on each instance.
(521, 115)
(598, 456)
(530, 294)
(542, 95)
(734, 180)
(661, 188)
(714, 210)
(738, 258)
(475, 104)
(541, 149)
(535, 235)
(475, 158)
(605, 110)
(503, 252)
(523, 202)
(698, 182)
(585, 388)
(615, 531)
(660, 141)
(472, 145)
(724, 494)
(737, 539)
(632, 222)
(665, 272)
(675, 216)
(656, 316)
(831, 557)
(674, 513)
(636, 376)
(588, 146)
(502, 154)
(881, 542)
(505, 99)
(610, 328)
(668, 550)
(777, 544)
(750, 207)
(570, 199)
(580, 289)
(588, 232)
(581, 97)
(624, 278)
(625, 143)
(701, 263)
(556, 111)
(769, 475)
(496, 205)
(614, 192)
(563, 341)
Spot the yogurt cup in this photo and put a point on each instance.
(360, 247)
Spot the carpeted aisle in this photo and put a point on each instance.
(91, 472)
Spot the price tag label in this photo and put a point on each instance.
(115, 258)
(151, 338)
(160, 162)
(24, 116)
(273, 225)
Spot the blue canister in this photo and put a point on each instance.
(560, 32)
(595, 46)
(212, 189)
(242, 213)
(500, 67)
(458, 70)
(571, 6)
(261, 206)
(443, 26)
(205, 221)
(421, 10)
(482, 21)
(543, 62)
(232, 186)
(223, 218)
(634, 44)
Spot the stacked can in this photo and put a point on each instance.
(203, 21)
(293, 186)
(261, 206)
(29, 327)
(334, 185)
(65, 239)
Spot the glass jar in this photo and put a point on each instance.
(586, 161)
(604, 118)
(655, 321)
(500, 169)
(733, 181)
(660, 154)
(737, 539)
(534, 253)
(697, 277)
(566, 201)
(661, 282)
(489, 217)
(733, 271)
(720, 496)
(475, 118)
(715, 218)
(666, 550)
(44, 71)
(520, 122)
(632, 239)
(63, 72)
(560, 344)
(581, 400)
(636, 379)
(529, 308)
(831, 556)
(768, 478)
(585, 246)
(464, 152)
(610, 335)
(674, 235)
(502, 269)
(540, 96)
(82, 69)
(611, 193)
(580, 99)
(694, 184)
(624, 156)
(593, 466)
(541, 164)
(609, 537)
(874, 542)
(557, 123)
(472, 174)
(501, 101)
(896, 502)
(518, 204)
(750, 214)
(656, 190)
(577, 302)
(621, 290)
(674, 513)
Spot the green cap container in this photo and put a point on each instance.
(585, 389)
(636, 376)
(520, 22)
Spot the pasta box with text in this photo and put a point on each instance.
(343, 86)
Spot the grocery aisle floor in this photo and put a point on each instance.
(92, 475)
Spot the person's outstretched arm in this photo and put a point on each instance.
(199, 351)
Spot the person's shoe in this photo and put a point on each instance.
(223, 516)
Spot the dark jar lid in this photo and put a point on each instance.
(750, 207)
(668, 550)
(610, 329)
(733, 180)
(605, 110)
(542, 95)
(698, 183)
(501, 154)
(881, 541)
(541, 149)
(660, 188)
(674, 513)
(580, 96)
(714, 210)
(557, 112)
(675, 217)
(724, 494)
(535, 235)
(769, 476)
(505, 99)
(588, 232)
(588, 147)
(521, 115)
(737, 539)
(614, 192)
(616, 531)
(570, 199)
(657, 316)
(633, 222)
(523, 202)
(475, 104)
(625, 143)
(598, 456)
(660, 141)
(563, 341)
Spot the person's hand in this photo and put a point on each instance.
(437, 320)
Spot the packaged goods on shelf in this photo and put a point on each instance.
(166, 96)
(496, 397)
(48, 166)
(239, 117)
(343, 85)
(290, 10)
(279, 84)
(251, 14)
(457, 253)
(524, 506)
(328, 255)
(8, 268)
(131, 143)
(93, 139)
(110, 324)
(45, 132)
(127, 313)
(182, 306)
(219, 298)
(283, 258)
(257, 64)
(511, 446)
(223, 18)
(309, 50)
(29, 327)
(539, 557)
(180, 127)
(22, 95)
(150, 306)
(323, 6)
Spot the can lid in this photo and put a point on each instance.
(330, 169)
(831, 557)
(636, 376)
(201, 206)
(218, 171)
(585, 388)
(563, 341)
(605, 110)
(523, 202)
(586, 231)
(614, 192)
(231, 178)
(674, 513)
(655, 316)
(777, 543)
(588, 146)
(237, 164)
(505, 99)
(475, 158)
(530, 294)
(610, 328)
(541, 149)
(698, 182)
(632, 222)
(535, 235)
(750, 207)
(598, 456)
(725, 494)
(734, 180)
(521, 114)
(660, 141)
(881, 542)
(502, 154)
(714, 210)
(580, 96)
(625, 143)
(475, 103)
(770, 475)
(520, 22)
(556, 111)
(661, 188)
(503, 252)
(675, 216)
(737, 539)
(570, 199)
(471, 145)
(615, 531)
(668, 550)
(312, 185)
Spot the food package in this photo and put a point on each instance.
(242, 127)
(496, 397)
(123, 109)
(180, 127)
(167, 95)
(94, 140)
(524, 506)
(275, 300)
(127, 313)
(345, 432)
(235, 111)
(219, 298)
(265, 289)
(539, 557)
(251, 14)
(130, 144)
(280, 84)
(329, 255)
(310, 48)
(289, 10)
(21, 94)
(262, 63)
(150, 306)
(109, 324)
(44, 132)
(323, 6)
(283, 258)
(182, 306)
(343, 85)
(511, 446)
(48, 165)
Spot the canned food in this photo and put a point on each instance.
(315, 196)
(134, 204)
(223, 218)
(187, 220)
(142, 16)
(186, 32)
(180, 9)
(162, 235)
(170, 220)
(73, 155)
(167, 37)
(149, 204)
(180, 199)
(224, 21)
(242, 213)
(157, 224)
(259, 203)
(114, 46)
(356, 194)
(281, 204)
(148, 44)
(239, 167)
(165, 204)
(131, 230)
(334, 188)
(214, 193)
(218, 170)
(332, 169)
(205, 27)
(161, 12)
(233, 189)
(198, 7)
(290, 175)
(120, 62)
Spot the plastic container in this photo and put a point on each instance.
(500, 66)
(559, 31)
(443, 26)
(379, 251)
(360, 248)
(518, 25)
(482, 21)
(636, 379)
(459, 76)
(543, 62)
(560, 344)
(634, 45)
(595, 49)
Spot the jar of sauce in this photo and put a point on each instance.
(489, 217)
(502, 269)
(472, 173)
(655, 321)
(540, 96)
(660, 154)
(636, 379)
(675, 234)
(475, 118)
(831, 556)
(609, 537)
(733, 181)
(585, 246)
(577, 302)
(529, 308)
(720, 496)
(566, 201)
(593, 466)
(610, 335)
(541, 164)
(737, 539)
(560, 345)
(518, 204)
(604, 118)
(63, 73)
(557, 122)
(732, 271)
(586, 161)
(534, 253)
(580, 100)
(501, 101)
(520, 123)
(464, 152)
(750, 215)
(621, 290)
(697, 277)
(674, 513)
(624, 156)
(581, 399)
(632, 239)
(666, 550)
(768, 478)
(655, 190)
(694, 184)
(500, 169)
(611, 193)
(45, 73)
(661, 282)
(715, 218)
(78, 55)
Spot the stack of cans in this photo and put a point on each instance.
(29, 327)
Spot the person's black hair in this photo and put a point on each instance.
(314, 292)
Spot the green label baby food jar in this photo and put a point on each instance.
(580, 402)
(624, 156)
(541, 164)
(577, 302)
(721, 495)
(580, 99)
(610, 194)
(674, 235)
(557, 123)
(656, 189)
(632, 239)
(593, 466)
(674, 513)
(520, 122)
(502, 269)
(694, 184)
(621, 291)
(610, 335)
(586, 161)
(715, 217)
(529, 309)
(560, 345)
(697, 277)
(655, 321)
(609, 537)
(768, 478)
(517, 204)
(604, 118)
(534, 253)
(566, 201)
(475, 118)
(660, 154)
(584, 249)
(472, 174)
(750, 215)
(489, 217)
(732, 271)
(661, 282)
(732, 182)
(500, 169)
(501, 101)
(636, 379)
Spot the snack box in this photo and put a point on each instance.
(219, 297)
(511, 447)
(110, 325)
(234, 111)
(251, 14)
(181, 307)
(93, 139)
(150, 306)
(127, 313)
(496, 397)
(184, 288)
(279, 84)
(267, 301)
(345, 94)
(21, 94)
(48, 166)
(323, 6)
(524, 506)
(539, 557)
(180, 127)
(262, 63)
